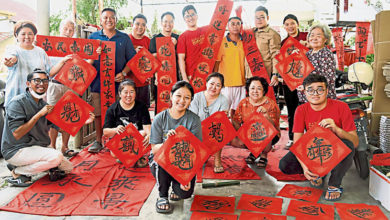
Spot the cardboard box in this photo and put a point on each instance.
(379, 187)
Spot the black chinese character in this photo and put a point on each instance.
(106, 72)
(165, 80)
(261, 203)
(47, 45)
(302, 193)
(60, 47)
(144, 64)
(216, 131)
(70, 112)
(128, 144)
(106, 49)
(222, 9)
(88, 49)
(165, 51)
(311, 210)
(318, 150)
(107, 61)
(258, 132)
(251, 50)
(165, 96)
(203, 68)
(87, 163)
(198, 82)
(123, 181)
(208, 52)
(74, 47)
(69, 178)
(165, 66)
(44, 200)
(247, 37)
(107, 103)
(213, 39)
(217, 25)
(76, 73)
(112, 199)
(108, 94)
(364, 213)
(182, 152)
(215, 204)
(295, 68)
(255, 64)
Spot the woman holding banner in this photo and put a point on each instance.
(256, 88)
(207, 103)
(163, 126)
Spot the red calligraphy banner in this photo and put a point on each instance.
(291, 47)
(359, 211)
(107, 77)
(182, 155)
(255, 60)
(260, 204)
(298, 192)
(76, 74)
(213, 204)
(70, 113)
(380, 159)
(339, 44)
(260, 216)
(210, 47)
(362, 29)
(62, 46)
(209, 216)
(308, 210)
(166, 75)
(128, 146)
(143, 65)
(320, 149)
(257, 133)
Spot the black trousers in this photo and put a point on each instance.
(290, 165)
(292, 102)
(164, 181)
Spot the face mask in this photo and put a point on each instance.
(36, 95)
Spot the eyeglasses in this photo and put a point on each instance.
(39, 81)
(319, 91)
(189, 16)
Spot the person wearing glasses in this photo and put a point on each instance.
(25, 143)
(328, 113)
(189, 43)
(207, 103)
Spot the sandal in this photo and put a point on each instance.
(317, 183)
(20, 181)
(250, 159)
(262, 163)
(174, 197)
(70, 153)
(333, 190)
(219, 169)
(162, 202)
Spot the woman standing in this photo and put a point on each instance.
(256, 88)
(207, 103)
(22, 59)
(163, 126)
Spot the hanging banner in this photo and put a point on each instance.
(143, 65)
(308, 210)
(256, 216)
(260, 204)
(76, 74)
(107, 77)
(70, 113)
(255, 60)
(308, 194)
(220, 204)
(362, 29)
(62, 46)
(166, 75)
(339, 44)
(359, 211)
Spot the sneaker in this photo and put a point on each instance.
(289, 144)
(95, 148)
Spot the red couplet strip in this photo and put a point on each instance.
(260, 204)
(70, 113)
(339, 44)
(308, 210)
(298, 192)
(320, 149)
(62, 46)
(128, 146)
(76, 74)
(213, 204)
(182, 155)
(380, 159)
(362, 29)
(107, 77)
(143, 65)
(260, 216)
(166, 75)
(208, 216)
(359, 211)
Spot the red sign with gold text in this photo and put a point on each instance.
(70, 113)
(143, 65)
(166, 75)
(107, 77)
(362, 29)
(62, 46)
(339, 44)
(76, 74)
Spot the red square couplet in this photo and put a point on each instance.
(127, 146)
(143, 65)
(257, 133)
(359, 211)
(213, 204)
(320, 149)
(209, 216)
(76, 74)
(70, 113)
(308, 210)
(260, 216)
(182, 155)
(217, 131)
(260, 204)
(291, 47)
(298, 192)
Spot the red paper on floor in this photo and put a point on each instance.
(213, 204)
(260, 204)
(298, 192)
(308, 210)
(260, 216)
(233, 161)
(380, 160)
(210, 216)
(359, 211)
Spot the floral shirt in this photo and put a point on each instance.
(324, 65)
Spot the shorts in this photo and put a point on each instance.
(234, 94)
(94, 100)
(55, 91)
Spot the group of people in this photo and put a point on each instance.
(231, 88)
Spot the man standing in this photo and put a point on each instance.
(124, 51)
(189, 44)
(230, 62)
(328, 113)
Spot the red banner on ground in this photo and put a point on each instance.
(380, 159)
(320, 150)
(362, 29)
(76, 74)
(209, 216)
(128, 146)
(143, 65)
(257, 133)
(213, 204)
(260, 204)
(182, 155)
(62, 46)
(308, 210)
(166, 75)
(107, 77)
(339, 44)
(298, 192)
(259, 216)
(359, 211)
(70, 113)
